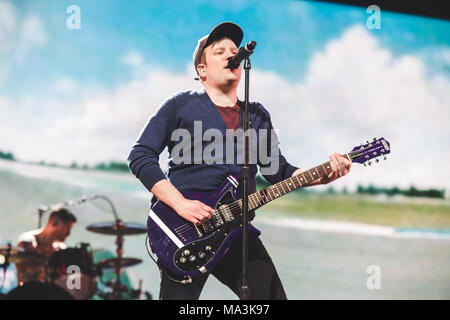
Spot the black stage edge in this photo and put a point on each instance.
(220, 309)
(437, 9)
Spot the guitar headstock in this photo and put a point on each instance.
(366, 152)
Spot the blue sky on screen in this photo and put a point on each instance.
(329, 82)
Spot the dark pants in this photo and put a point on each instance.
(262, 277)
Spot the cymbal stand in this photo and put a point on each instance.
(117, 288)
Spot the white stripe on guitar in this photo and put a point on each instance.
(233, 181)
(165, 229)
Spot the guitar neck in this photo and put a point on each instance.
(264, 196)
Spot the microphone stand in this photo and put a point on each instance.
(244, 293)
(41, 210)
(117, 288)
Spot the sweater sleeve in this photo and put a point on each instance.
(285, 169)
(143, 159)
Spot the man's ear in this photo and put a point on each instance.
(201, 69)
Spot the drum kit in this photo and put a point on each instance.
(73, 270)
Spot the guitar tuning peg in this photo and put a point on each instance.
(377, 160)
(374, 139)
(384, 158)
(370, 162)
(364, 164)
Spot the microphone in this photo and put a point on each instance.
(243, 53)
(42, 208)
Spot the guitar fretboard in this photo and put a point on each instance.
(362, 154)
(264, 196)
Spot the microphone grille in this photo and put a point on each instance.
(251, 45)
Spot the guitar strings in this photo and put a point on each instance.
(235, 207)
(260, 198)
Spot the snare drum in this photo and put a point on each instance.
(73, 269)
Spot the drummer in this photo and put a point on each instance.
(44, 241)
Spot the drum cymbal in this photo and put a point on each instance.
(112, 263)
(112, 228)
(13, 250)
(18, 255)
(27, 257)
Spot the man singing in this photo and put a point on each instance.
(215, 106)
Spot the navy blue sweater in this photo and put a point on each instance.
(180, 111)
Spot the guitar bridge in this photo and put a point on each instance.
(207, 226)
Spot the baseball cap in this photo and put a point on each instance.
(225, 29)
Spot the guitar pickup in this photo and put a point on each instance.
(217, 219)
(226, 212)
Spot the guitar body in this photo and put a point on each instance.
(186, 250)
(189, 250)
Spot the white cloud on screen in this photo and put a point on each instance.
(354, 90)
(18, 36)
(133, 59)
(8, 23)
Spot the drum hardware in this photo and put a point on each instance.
(113, 228)
(7, 254)
(59, 273)
(117, 293)
(135, 294)
(113, 262)
(117, 228)
(18, 255)
(132, 293)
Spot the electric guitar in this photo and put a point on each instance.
(190, 250)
